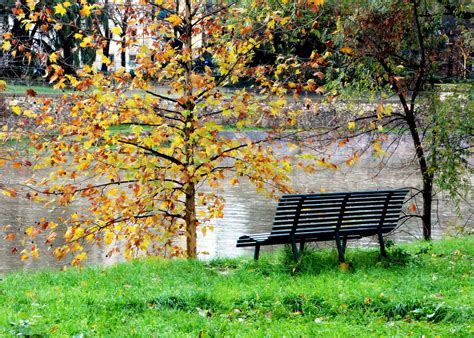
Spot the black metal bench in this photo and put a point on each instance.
(338, 216)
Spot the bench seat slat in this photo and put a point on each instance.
(367, 205)
(350, 220)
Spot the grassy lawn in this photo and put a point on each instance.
(421, 289)
(21, 90)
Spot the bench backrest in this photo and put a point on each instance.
(363, 209)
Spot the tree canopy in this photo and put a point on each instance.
(138, 147)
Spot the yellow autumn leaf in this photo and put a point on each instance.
(79, 258)
(53, 57)
(16, 110)
(6, 45)
(351, 125)
(271, 24)
(88, 144)
(321, 163)
(9, 193)
(109, 237)
(3, 85)
(174, 19)
(380, 109)
(59, 9)
(67, 4)
(377, 147)
(78, 233)
(116, 30)
(346, 50)
(23, 256)
(113, 192)
(30, 231)
(90, 238)
(34, 252)
(86, 42)
(30, 113)
(31, 4)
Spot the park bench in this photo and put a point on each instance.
(339, 216)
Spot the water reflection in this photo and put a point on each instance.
(248, 212)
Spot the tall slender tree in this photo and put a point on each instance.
(138, 153)
(396, 47)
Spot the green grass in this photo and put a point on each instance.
(21, 90)
(420, 289)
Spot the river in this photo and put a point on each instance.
(246, 211)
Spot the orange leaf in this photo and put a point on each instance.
(10, 237)
(34, 251)
(51, 237)
(346, 50)
(344, 266)
(9, 192)
(412, 207)
(343, 142)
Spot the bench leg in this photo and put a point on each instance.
(302, 245)
(344, 244)
(340, 249)
(294, 249)
(257, 252)
(382, 245)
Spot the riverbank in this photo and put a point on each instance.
(421, 289)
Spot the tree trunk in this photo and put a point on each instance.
(108, 36)
(190, 213)
(106, 51)
(18, 64)
(123, 51)
(427, 193)
(68, 58)
(427, 206)
(191, 221)
(123, 35)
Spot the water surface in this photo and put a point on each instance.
(246, 211)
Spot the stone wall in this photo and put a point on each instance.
(312, 113)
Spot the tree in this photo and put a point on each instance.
(138, 152)
(396, 47)
(307, 32)
(49, 29)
